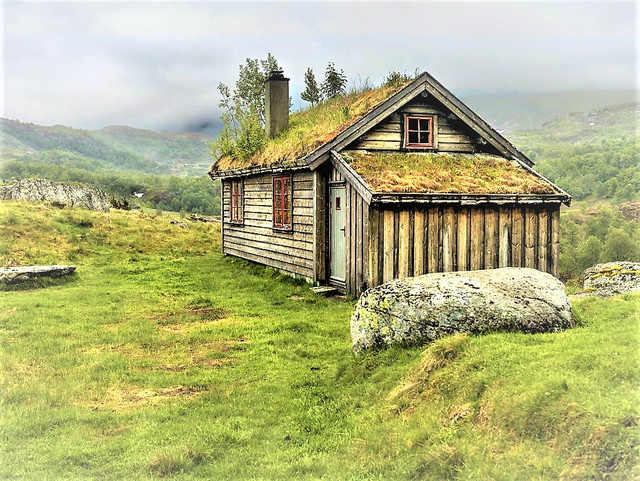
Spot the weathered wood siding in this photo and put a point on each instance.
(452, 135)
(256, 239)
(357, 230)
(414, 240)
(356, 236)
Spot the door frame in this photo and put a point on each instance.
(333, 281)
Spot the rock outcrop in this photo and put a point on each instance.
(15, 275)
(424, 308)
(64, 194)
(612, 278)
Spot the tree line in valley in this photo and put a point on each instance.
(163, 192)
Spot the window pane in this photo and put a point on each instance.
(413, 137)
(424, 137)
(424, 124)
(413, 124)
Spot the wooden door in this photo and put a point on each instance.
(337, 251)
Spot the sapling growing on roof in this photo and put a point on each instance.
(311, 92)
(335, 82)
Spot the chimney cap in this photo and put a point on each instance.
(276, 75)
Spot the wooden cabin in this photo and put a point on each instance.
(392, 182)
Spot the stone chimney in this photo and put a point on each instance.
(276, 103)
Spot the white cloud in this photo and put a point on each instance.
(157, 64)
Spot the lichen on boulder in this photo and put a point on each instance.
(612, 278)
(16, 275)
(63, 194)
(424, 308)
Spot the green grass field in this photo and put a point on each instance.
(162, 358)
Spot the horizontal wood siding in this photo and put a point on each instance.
(452, 135)
(256, 240)
(415, 240)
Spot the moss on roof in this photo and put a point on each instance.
(444, 173)
(310, 128)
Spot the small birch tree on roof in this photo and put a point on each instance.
(243, 111)
(311, 92)
(335, 82)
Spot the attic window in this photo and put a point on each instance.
(237, 201)
(282, 203)
(418, 131)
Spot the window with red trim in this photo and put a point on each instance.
(418, 131)
(237, 201)
(282, 203)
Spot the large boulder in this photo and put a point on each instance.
(612, 278)
(64, 194)
(424, 308)
(15, 275)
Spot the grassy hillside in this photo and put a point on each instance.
(183, 153)
(590, 154)
(164, 358)
(123, 148)
(169, 168)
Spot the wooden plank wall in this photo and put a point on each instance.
(452, 134)
(357, 248)
(415, 240)
(257, 241)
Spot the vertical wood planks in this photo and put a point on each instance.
(490, 238)
(543, 241)
(365, 245)
(448, 239)
(504, 237)
(517, 243)
(530, 237)
(555, 241)
(373, 279)
(388, 245)
(403, 244)
(320, 236)
(359, 224)
(418, 243)
(433, 245)
(353, 239)
(477, 238)
(462, 246)
(348, 236)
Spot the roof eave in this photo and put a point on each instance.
(468, 199)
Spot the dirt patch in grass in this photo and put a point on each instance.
(112, 432)
(208, 313)
(173, 357)
(122, 399)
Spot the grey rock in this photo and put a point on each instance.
(64, 194)
(13, 275)
(612, 278)
(424, 308)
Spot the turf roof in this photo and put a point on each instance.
(310, 128)
(444, 173)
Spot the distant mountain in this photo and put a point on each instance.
(122, 148)
(591, 154)
(177, 153)
(516, 111)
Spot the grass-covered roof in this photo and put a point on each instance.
(310, 128)
(400, 172)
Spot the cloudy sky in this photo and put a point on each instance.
(156, 65)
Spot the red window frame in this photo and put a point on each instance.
(237, 201)
(283, 202)
(419, 130)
